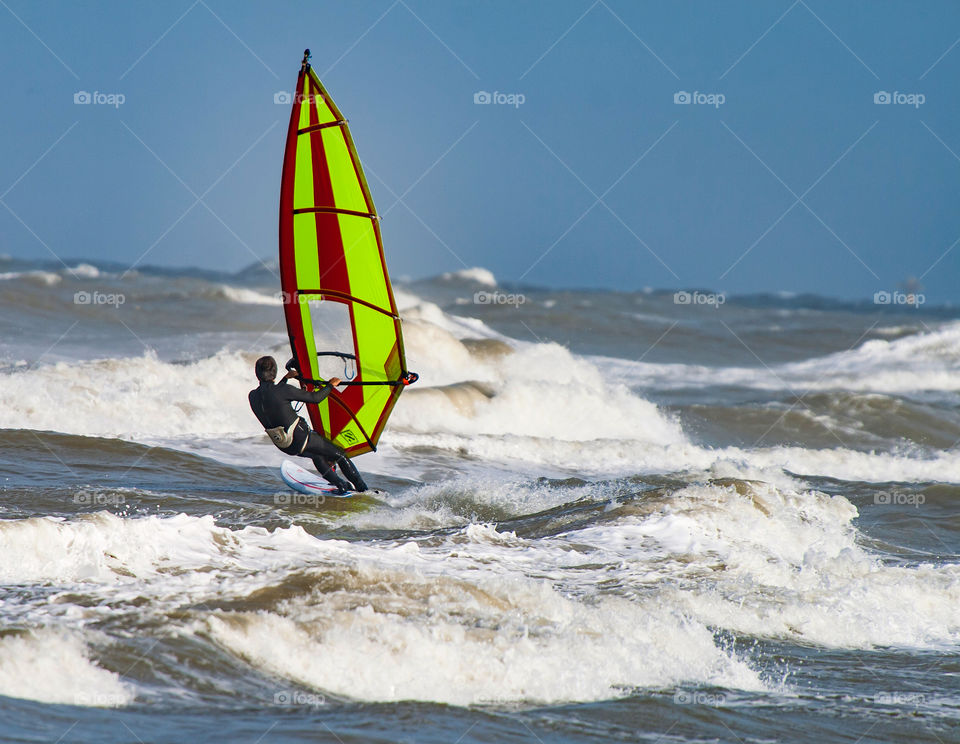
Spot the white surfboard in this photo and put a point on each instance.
(304, 481)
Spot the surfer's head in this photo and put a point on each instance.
(266, 369)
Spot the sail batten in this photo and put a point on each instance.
(331, 256)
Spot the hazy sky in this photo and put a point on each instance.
(783, 174)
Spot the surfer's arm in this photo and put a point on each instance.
(289, 392)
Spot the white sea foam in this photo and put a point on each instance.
(513, 641)
(918, 362)
(246, 296)
(440, 632)
(83, 271)
(480, 615)
(779, 563)
(476, 275)
(479, 394)
(54, 667)
(40, 277)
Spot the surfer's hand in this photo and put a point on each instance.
(334, 381)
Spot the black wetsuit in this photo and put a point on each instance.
(271, 405)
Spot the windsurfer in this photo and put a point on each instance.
(270, 403)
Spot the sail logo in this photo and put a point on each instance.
(83, 98)
(683, 98)
(884, 98)
(482, 98)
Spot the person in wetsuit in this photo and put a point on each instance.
(270, 403)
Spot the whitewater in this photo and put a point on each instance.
(601, 510)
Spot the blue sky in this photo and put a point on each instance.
(790, 178)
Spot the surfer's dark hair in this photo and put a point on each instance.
(266, 369)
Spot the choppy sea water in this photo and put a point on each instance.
(608, 516)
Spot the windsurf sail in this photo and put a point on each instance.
(338, 302)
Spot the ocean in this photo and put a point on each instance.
(607, 516)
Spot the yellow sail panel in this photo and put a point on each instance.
(331, 254)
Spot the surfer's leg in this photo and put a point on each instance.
(324, 450)
(324, 454)
(326, 469)
(350, 470)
